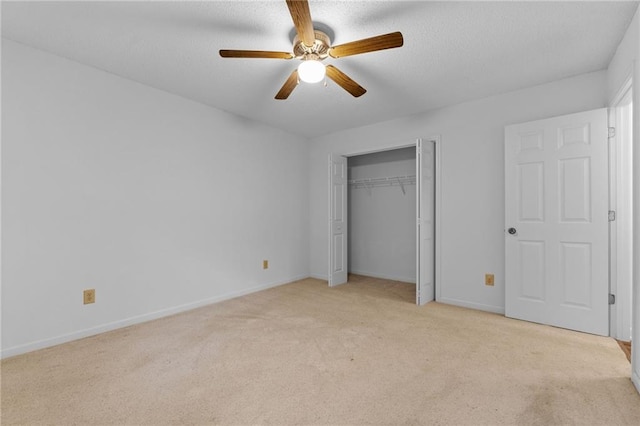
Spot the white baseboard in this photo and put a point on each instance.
(46, 343)
(319, 277)
(411, 280)
(635, 378)
(472, 305)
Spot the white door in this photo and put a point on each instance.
(425, 206)
(337, 220)
(556, 233)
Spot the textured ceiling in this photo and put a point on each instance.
(453, 51)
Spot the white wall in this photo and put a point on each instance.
(627, 62)
(472, 178)
(382, 220)
(159, 203)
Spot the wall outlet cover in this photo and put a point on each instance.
(89, 296)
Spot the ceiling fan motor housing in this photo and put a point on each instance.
(320, 47)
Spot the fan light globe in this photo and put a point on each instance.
(311, 71)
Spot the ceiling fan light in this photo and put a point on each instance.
(311, 71)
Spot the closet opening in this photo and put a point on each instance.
(381, 198)
(382, 219)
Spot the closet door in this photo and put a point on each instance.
(425, 232)
(337, 220)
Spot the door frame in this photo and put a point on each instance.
(620, 318)
(436, 140)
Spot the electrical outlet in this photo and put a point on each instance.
(488, 279)
(89, 296)
(265, 264)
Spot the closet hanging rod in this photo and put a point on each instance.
(369, 183)
(384, 180)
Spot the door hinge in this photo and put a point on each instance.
(612, 299)
(612, 132)
(612, 215)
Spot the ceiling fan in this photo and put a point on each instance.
(312, 46)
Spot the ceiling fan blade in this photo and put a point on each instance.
(301, 16)
(255, 54)
(345, 81)
(288, 86)
(381, 42)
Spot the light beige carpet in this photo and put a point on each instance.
(303, 353)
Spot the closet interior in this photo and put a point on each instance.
(382, 214)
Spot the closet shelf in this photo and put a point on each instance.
(369, 183)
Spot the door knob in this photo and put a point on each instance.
(512, 231)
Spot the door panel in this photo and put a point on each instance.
(531, 201)
(338, 267)
(425, 187)
(576, 274)
(575, 190)
(532, 267)
(556, 198)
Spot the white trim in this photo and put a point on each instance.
(45, 343)
(613, 228)
(1, 224)
(620, 196)
(381, 149)
(418, 222)
(438, 223)
(329, 223)
(436, 140)
(472, 305)
(635, 203)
